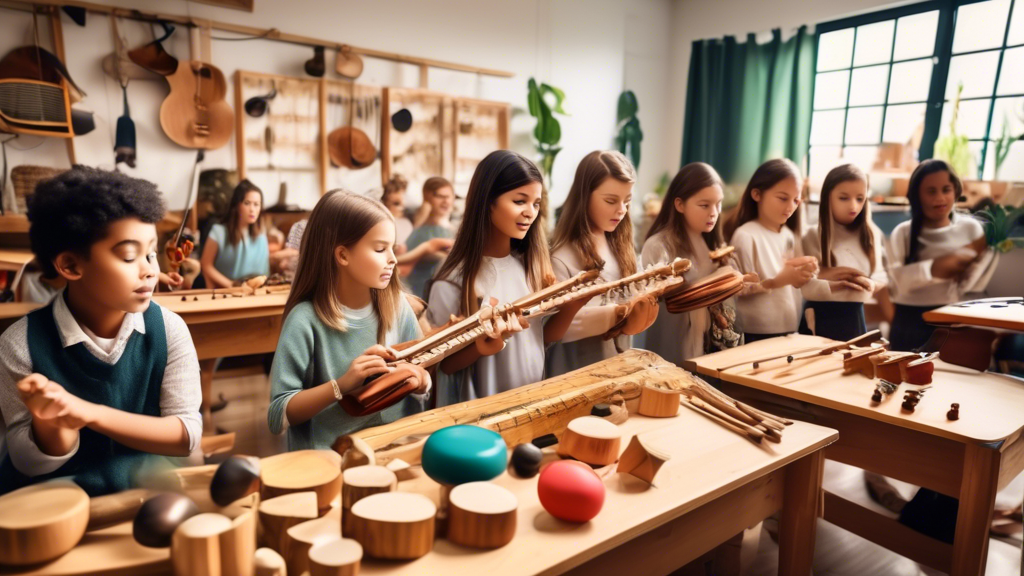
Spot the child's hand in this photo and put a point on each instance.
(751, 278)
(172, 279)
(440, 245)
(953, 265)
(500, 327)
(422, 377)
(371, 363)
(793, 276)
(51, 403)
(838, 273)
(840, 285)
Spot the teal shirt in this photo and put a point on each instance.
(248, 258)
(424, 269)
(310, 353)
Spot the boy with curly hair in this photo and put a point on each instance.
(102, 379)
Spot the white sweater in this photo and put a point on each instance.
(913, 284)
(765, 252)
(848, 252)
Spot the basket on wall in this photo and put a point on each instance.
(25, 178)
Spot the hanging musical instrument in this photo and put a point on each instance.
(195, 114)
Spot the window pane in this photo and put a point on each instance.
(1012, 169)
(869, 85)
(901, 122)
(830, 89)
(972, 119)
(1011, 79)
(980, 26)
(827, 128)
(976, 71)
(835, 50)
(864, 125)
(862, 157)
(975, 148)
(823, 159)
(874, 43)
(1011, 112)
(910, 81)
(915, 35)
(1016, 25)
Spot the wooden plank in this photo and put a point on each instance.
(325, 159)
(236, 338)
(680, 541)
(887, 532)
(1012, 461)
(57, 31)
(977, 501)
(239, 126)
(981, 313)
(801, 507)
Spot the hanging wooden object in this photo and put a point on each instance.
(41, 522)
(301, 471)
(394, 525)
(659, 402)
(592, 440)
(641, 461)
(195, 113)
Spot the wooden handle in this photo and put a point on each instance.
(106, 511)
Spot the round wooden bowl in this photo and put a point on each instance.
(659, 402)
(302, 471)
(41, 522)
(592, 440)
(481, 515)
(335, 558)
(394, 525)
(459, 454)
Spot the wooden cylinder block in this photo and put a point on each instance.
(335, 558)
(592, 440)
(269, 563)
(302, 537)
(641, 461)
(279, 514)
(481, 515)
(41, 522)
(302, 471)
(659, 402)
(362, 481)
(394, 525)
(215, 545)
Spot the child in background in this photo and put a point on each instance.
(439, 196)
(393, 199)
(237, 249)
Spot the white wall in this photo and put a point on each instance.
(579, 46)
(703, 19)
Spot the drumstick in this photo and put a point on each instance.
(737, 427)
(729, 408)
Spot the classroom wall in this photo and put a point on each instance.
(579, 46)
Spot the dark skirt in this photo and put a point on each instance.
(749, 337)
(836, 320)
(909, 330)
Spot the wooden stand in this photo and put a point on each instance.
(279, 514)
(268, 562)
(860, 361)
(360, 482)
(303, 536)
(659, 402)
(592, 440)
(481, 515)
(305, 470)
(213, 545)
(641, 461)
(41, 522)
(394, 525)
(335, 558)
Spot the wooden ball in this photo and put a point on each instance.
(236, 477)
(394, 525)
(592, 440)
(41, 522)
(335, 558)
(526, 460)
(463, 453)
(571, 491)
(302, 471)
(659, 402)
(481, 515)
(159, 517)
(362, 481)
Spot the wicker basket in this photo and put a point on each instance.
(25, 178)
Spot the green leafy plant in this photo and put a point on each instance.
(662, 186)
(954, 148)
(1002, 145)
(548, 131)
(629, 137)
(1004, 228)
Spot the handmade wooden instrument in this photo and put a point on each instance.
(639, 291)
(723, 284)
(803, 353)
(195, 113)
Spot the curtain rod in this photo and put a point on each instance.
(267, 33)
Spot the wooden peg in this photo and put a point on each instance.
(481, 515)
(888, 365)
(279, 514)
(954, 411)
(641, 461)
(268, 562)
(41, 522)
(855, 361)
(302, 537)
(302, 471)
(335, 558)
(592, 440)
(214, 545)
(394, 525)
(659, 402)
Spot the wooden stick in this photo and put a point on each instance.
(689, 404)
(750, 431)
(777, 422)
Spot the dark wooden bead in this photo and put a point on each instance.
(526, 460)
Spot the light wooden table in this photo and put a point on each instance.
(716, 485)
(971, 458)
(1005, 313)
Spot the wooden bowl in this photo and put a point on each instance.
(592, 440)
(41, 522)
(302, 471)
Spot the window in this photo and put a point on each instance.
(891, 78)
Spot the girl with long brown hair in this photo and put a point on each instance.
(594, 231)
(344, 311)
(499, 256)
(849, 247)
(237, 249)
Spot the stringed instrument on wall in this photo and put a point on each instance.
(637, 295)
(195, 114)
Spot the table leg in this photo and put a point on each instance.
(801, 504)
(977, 500)
(206, 368)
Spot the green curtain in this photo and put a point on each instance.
(747, 103)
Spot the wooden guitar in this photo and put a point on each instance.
(195, 113)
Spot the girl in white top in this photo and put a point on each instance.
(688, 226)
(849, 247)
(765, 232)
(594, 231)
(499, 256)
(936, 257)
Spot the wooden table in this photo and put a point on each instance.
(970, 459)
(716, 485)
(1005, 313)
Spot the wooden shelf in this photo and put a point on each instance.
(14, 223)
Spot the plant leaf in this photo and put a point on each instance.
(559, 97)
